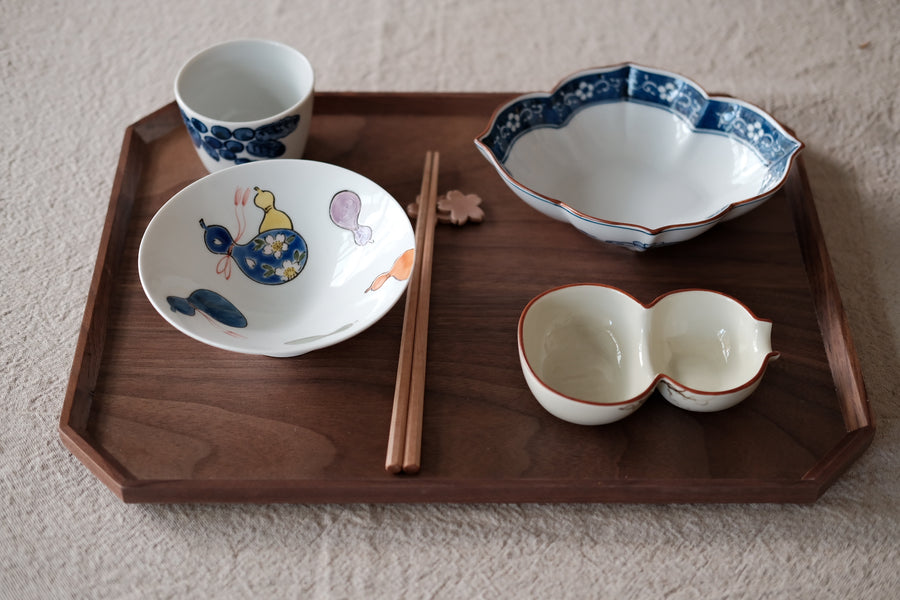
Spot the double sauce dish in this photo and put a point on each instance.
(592, 354)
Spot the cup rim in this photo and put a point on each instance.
(184, 105)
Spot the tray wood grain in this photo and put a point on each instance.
(159, 417)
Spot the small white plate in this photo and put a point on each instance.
(277, 257)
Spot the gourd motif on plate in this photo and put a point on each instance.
(275, 256)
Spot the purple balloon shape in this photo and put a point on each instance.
(344, 210)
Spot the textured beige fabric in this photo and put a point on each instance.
(74, 75)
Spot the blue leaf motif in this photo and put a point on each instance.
(199, 125)
(210, 150)
(278, 129)
(243, 134)
(266, 149)
(223, 133)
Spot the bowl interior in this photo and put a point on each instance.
(707, 341)
(634, 163)
(584, 342)
(597, 344)
(637, 156)
(277, 257)
(244, 80)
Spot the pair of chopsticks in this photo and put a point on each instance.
(405, 438)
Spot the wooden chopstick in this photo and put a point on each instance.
(413, 449)
(399, 416)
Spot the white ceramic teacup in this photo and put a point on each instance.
(246, 100)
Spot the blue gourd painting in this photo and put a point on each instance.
(275, 256)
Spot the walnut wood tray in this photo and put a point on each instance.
(159, 417)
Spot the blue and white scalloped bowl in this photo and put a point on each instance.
(636, 156)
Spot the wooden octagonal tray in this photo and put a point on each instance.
(159, 417)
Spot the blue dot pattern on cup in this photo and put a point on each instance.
(244, 144)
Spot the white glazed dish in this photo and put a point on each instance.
(636, 156)
(277, 257)
(592, 354)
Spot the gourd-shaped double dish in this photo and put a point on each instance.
(592, 354)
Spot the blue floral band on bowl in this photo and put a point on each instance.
(242, 145)
(630, 83)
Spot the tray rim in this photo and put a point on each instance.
(833, 325)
